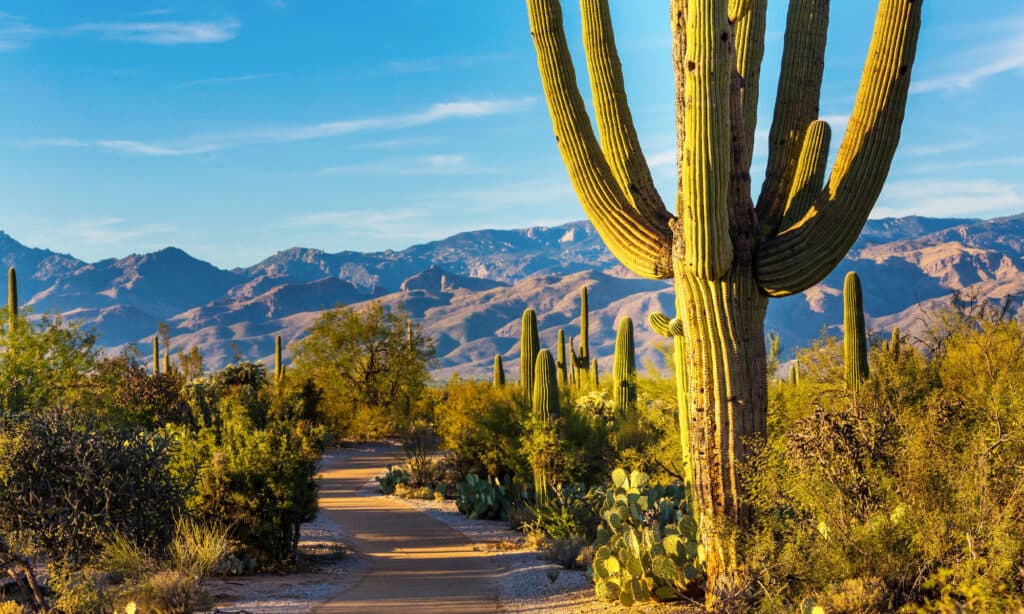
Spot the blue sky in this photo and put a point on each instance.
(236, 128)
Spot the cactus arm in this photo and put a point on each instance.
(796, 106)
(642, 244)
(619, 140)
(810, 172)
(803, 255)
(748, 18)
(703, 179)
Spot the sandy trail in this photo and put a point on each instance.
(414, 562)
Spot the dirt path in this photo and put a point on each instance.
(414, 563)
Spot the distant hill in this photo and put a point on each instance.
(469, 290)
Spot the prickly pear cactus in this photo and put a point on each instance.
(646, 545)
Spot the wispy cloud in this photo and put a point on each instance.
(163, 32)
(216, 142)
(146, 149)
(956, 165)
(102, 231)
(663, 158)
(224, 80)
(948, 198)
(1001, 51)
(937, 149)
(55, 142)
(441, 63)
(406, 223)
(436, 164)
(16, 33)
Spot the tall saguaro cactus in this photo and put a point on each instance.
(725, 255)
(624, 369)
(499, 371)
(545, 410)
(278, 364)
(582, 360)
(156, 355)
(529, 345)
(561, 364)
(12, 294)
(855, 337)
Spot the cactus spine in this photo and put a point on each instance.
(545, 410)
(499, 371)
(855, 338)
(156, 355)
(12, 294)
(529, 345)
(726, 256)
(624, 370)
(563, 371)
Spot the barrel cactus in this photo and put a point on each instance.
(855, 338)
(726, 255)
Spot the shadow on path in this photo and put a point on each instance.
(414, 563)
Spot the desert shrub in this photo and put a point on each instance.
(481, 425)
(254, 469)
(861, 499)
(10, 607)
(484, 499)
(572, 513)
(565, 552)
(69, 483)
(646, 545)
(197, 549)
(131, 395)
(414, 492)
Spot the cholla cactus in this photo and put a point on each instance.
(727, 256)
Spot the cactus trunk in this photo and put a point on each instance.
(855, 339)
(529, 345)
(278, 366)
(499, 371)
(624, 370)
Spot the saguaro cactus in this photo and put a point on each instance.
(499, 371)
(545, 410)
(12, 293)
(855, 337)
(278, 365)
(582, 360)
(156, 355)
(894, 343)
(624, 370)
(727, 256)
(595, 378)
(794, 374)
(563, 370)
(529, 345)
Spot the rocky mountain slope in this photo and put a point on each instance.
(469, 290)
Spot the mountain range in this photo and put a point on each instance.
(469, 290)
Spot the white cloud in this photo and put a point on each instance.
(55, 142)
(102, 231)
(436, 164)
(937, 149)
(162, 32)
(441, 63)
(146, 149)
(664, 158)
(215, 142)
(1001, 51)
(944, 198)
(223, 80)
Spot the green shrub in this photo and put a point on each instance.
(69, 483)
(572, 513)
(394, 477)
(646, 545)
(481, 426)
(857, 500)
(255, 467)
